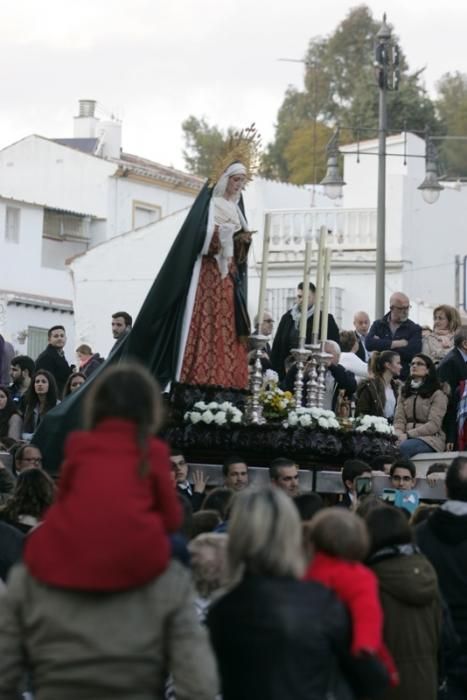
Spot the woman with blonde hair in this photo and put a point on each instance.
(275, 636)
(437, 343)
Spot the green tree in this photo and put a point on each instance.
(303, 168)
(452, 109)
(203, 145)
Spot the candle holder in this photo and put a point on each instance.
(312, 383)
(253, 409)
(322, 356)
(300, 355)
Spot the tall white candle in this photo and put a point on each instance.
(306, 283)
(326, 292)
(264, 270)
(319, 281)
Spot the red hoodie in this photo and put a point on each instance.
(107, 530)
(357, 587)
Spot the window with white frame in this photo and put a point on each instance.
(145, 213)
(12, 224)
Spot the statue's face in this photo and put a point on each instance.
(235, 185)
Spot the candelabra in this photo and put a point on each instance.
(253, 408)
(322, 358)
(300, 355)
(312, 383)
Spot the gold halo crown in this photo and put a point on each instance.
(243, 146)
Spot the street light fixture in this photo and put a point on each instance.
(333, 181)
(430, 187)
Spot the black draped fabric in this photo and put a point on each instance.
(155, 337)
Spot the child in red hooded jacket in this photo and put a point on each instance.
(116, 505)
(340, 541)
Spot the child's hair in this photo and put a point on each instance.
(209, 562)
(340, 533)
(127, 391)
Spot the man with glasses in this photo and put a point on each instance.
(27, 456)
(265, 328)
(403, 475)
(395, 331)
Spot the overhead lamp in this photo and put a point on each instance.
(333, 181)
(430, 187)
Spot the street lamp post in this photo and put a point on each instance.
(386, 64)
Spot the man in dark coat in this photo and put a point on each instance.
(287, 335)
(443, 539)
(53, 358)
(395, 331)
(453, 370)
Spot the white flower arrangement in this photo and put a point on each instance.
(215, 413)
(373, 424)
(312, 418)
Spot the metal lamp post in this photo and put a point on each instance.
(387, 72)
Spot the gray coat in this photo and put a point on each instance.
(105, 646)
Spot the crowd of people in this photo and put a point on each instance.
(132, 577)
(414, 377)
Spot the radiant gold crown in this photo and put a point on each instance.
(243, 146)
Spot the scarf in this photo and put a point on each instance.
(296, 313)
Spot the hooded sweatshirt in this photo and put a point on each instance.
(443, 539)
(412, 618)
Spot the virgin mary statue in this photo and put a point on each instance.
(193, 324)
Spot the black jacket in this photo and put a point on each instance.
(55, 363)
(279, 639)
(380, 338)
(11, 548)
(443, 539)
(453, 369)
(286, 339)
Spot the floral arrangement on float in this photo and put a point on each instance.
(312, 418)
(276, 403)
(372, 424)
(213, 413)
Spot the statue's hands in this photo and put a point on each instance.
(244, 236)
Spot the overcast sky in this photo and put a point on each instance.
(154, 62)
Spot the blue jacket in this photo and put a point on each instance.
(380, 338)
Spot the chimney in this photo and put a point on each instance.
(85, 124)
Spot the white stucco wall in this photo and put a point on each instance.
(116, 276)
(21, 267)
(38, 170)
(123, 192)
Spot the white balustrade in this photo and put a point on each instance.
(350, 229)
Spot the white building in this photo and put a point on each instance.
(59, 197)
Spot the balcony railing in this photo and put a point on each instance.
(350, 229)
